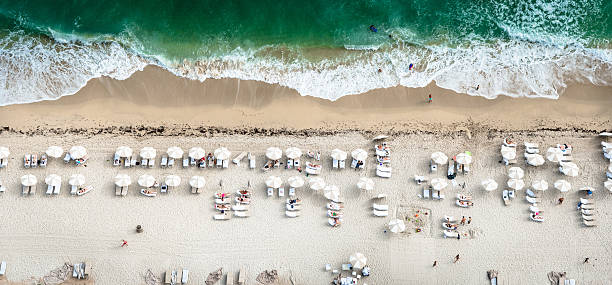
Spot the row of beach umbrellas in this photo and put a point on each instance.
(53, 180)
(441, 158)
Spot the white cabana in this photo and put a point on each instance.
(516, 172)
(274, 153)
(539, 185)
(124, 151)
(53, 180)
(274, 181)
(146, 180)
(438, 183)
(439, 157)
(54, 151)
(489, 184)
(222, 153)
(508, 152)
(397, 226)
(77, 152)
(148, 152)
(295, 181)
(316, 183)
(608, 184)
(123, 180)
(28, 180)
(338, 154)
(365, 183)
(359, 154)
(534, 159)
(554, 154)
(463, 158)
(4, 152)
(293, 153)
(569, 169)
(197, 153)
(516, 184)
(173, 180)
(76, 180)
(358, 260)
(562, 185)
(197, 181)
(175, 152)
(331, 192)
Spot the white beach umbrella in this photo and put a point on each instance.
(53, 180)
(197, 181)
(554, 154)
(438, 183)
(274, 181)
(359, 154)
(274, 153)
(608, 184)
(76, 180)
(516, 184)
(365, 183)
(331, 192)
(148, 152)
(463, 158)
(123, 180)
(508, 152)
(124, 151)
(293, 152)
(489, 184)
(54, 151)
(77, 152)
(222, 153)
(197, 152)
(295, 181)
(539, 185)
(535, 159)
(316, 183)
(562, 185)
(516, 173)
(175, 152)
(173, 180)
(358, 260)
(28, 180)
(338, 154)
(4, 152)
(397, 226)
(146, 180)
(439, 157)
(569, 169)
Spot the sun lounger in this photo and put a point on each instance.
(450, 173)
(293, 207)
(435, 195)
(296, 163)
(281, 192)
(84, 190)
(509, 161)
(241, 277)
(586, 201)
(587, 206)
(451, 234)
(292, 214)
(26, 161)
(67, 158)
(464, 197)
(289, 164)
(133, 162)
(509, 143)
(380, 207)
(425, 193)
(124, 190)
(49, 190)
(127, 162)
(151, 163)
(270, 191)
(534, 208)
(2, 188)
(354, 163)
(587, 212)
(185, 277)
(533, 200)
(251, 161)
(34, 161)
(464, 204)
(3, 163)
(219, 163)
(536, 218)
(380, 213)
(420, 179)
(333, 222)
(202, 163)
(239, 158)
(530, 193)
(170, 162)
(342, 164)
(25, 190)
(56, 189)
(383, 171)
(223, 216)
(185, 162)
(117, 190)
(242, 214)
(449, 219)
(225, 163)
(298, 202)
(164, 161)
(291, 192)
(3, 268)
(240, 207)
(466, 168)
(335, 163)
(587, 218)
(591, 223)
(511, 194)
(507, 201)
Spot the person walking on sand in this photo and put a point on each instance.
(429, 100)
(435, 263)
(462, 220)
(586, 260)
(124, 243)
(561, 200)
(469, 220)
(456, 259)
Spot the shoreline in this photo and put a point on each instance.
(229, 104)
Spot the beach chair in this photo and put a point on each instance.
(49, 190)
(3, 163)
(168, 277)
(56, 190)
(219, 163)
(164, 161)
(25, 190)
(73, 190)
(185, 277)
(124, 190)
(292, 214)
(354, 163)
(506, 198)
(240, 207)
(342, 164)
(587, 218)
(530, 193)
(335, 163)
(380, 207)
(201, 163)
(133, 162)
(450, 173)
(67, 158)
(252, 163)
(242, 214)
(586, 201)
(241, 277)
(151, 163)
(466, 169)
(34, 161)
(2, 188)
(194, 190)
(587, 206)
(425, 193)
(117, 190)
(379, 213)
(270, 191)
(291, 191)
(26, 161)
(451, 234)
(590, 223)
(127, 163)
(587, 212)
(433, 167)
(144, 163)
(533, 200)
(192, 161)
(3, 268)
(440, 195)
(170, 162)
(185, 162)
(225, 163)
(531, 148)
(293, 207)
(281, 192)
(507, 142)
(229, 280)
(289, 164)
(420, 179)
(222, 217)
(434, 195)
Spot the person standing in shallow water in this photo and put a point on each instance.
(430, 99)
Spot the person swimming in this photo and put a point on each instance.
(373, 29)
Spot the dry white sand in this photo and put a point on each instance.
(39, 233)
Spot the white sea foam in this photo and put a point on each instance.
(34, 69)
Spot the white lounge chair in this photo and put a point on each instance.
(587, 212)
(270, 191)
(533, 200)
(534, 208)
(291, 191)
(293, 207)
(335, 163)
(26, 161)
(530, 193)
(219, 163)
(449, 219)
(289, 163)
(506, 198)
(464, 204)
(425, 193)
(240, 207)
(223, 216)
(185, 162)
(242, 214)
(451, 234)
(49, 190)
(3, 268)
(281, 192)
(587, 201)
(587, 218)
(251, 161)
(56, 189)
(434, 195)
(151, 163)
(536, 218)
(3, 163)
(133, 162)
(170, 162)
(587, 206)
(342, 164)
(292, 214)
(380, 207)
(239, 158)
(380, 213)
(116, 160)
(164, 161)
(67, 158)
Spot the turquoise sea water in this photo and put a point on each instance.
(320, 48)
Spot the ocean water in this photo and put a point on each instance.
(531, 48)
